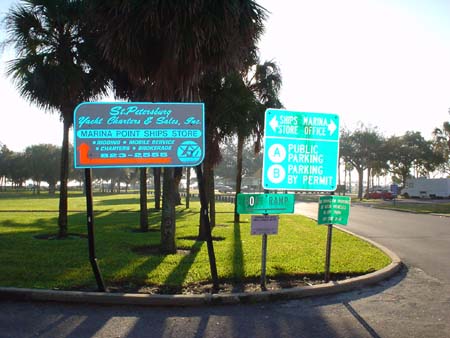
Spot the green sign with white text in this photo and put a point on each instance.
(265, 203)
(333, 210)
(300, 151)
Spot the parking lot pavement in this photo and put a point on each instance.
(412, 304)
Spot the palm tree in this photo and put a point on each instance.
(226, 97)
(124, 88)
(56, 67)
(264, 85)
(441, 143)
(165, 45)
(236, 104)
(240, 100)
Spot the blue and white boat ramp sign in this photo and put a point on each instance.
(300, 151)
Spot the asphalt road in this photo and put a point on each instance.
(421, 241)
(414, 303)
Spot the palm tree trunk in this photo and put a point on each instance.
(178, 174)
(143, 200)
(157, 187)
(360, 182)
(212, 198)
(208, 179)
(64, 176)
(350, 181)
(168, 244)
(188, 186)
(368, 180)
(240, 149)
(345, 180)
(339, 177)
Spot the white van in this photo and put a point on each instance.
(423, 187)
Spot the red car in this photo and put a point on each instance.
(379, 194)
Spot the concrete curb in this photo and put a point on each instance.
(11, 293)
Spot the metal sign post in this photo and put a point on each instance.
(264, 225)
(263, 262)
(328, 253)
(90, 228)
(332, 210)
(137, 134)
(205, 217)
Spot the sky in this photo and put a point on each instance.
(383, 63)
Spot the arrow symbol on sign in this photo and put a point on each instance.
(274, 123)
(331, 127)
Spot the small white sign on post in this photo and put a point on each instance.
(264, 225)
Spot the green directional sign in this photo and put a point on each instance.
(300, 151)
(265, 203)
(333, 210)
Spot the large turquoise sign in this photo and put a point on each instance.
(300, 150)
(138, 134)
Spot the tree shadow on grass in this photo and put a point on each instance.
(135, 280)
(44, 227)
(119, 201)
(34, 262)
(65, 264)
(174, 281)
(241, 222)
(143, 244)
(194, 238)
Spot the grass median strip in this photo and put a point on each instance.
(29, 257)
(420, 208)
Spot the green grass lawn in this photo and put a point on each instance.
(420, 207)
(441, 208)
(126, 262)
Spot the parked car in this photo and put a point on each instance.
(224, 188)
(379, 194)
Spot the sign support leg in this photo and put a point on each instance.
(204, 215)
(263, 262)
(90, 228)
(328, 253)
